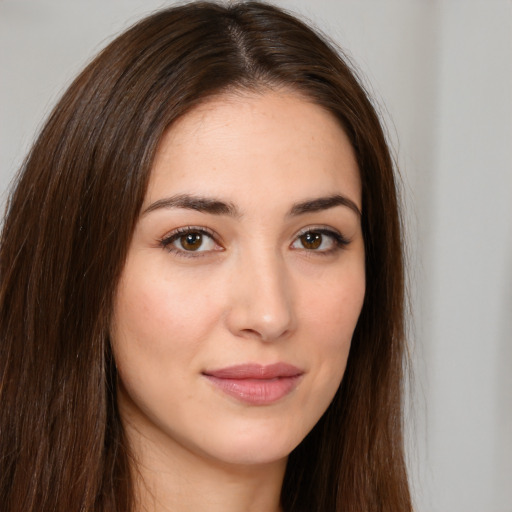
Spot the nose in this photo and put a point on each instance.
(261, 300)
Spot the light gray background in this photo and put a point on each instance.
(441, 72)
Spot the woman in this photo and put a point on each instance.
(201, 281)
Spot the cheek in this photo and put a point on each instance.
(332, 314)
(161, 326)
(153, 314)
(334, 308)
(157, 332)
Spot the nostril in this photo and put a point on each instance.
(265, 334)
(253, 333)
(260, 304)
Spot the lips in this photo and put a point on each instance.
(256, 384)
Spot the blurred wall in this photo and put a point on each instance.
(441, 73)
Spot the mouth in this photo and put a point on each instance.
(256, 384)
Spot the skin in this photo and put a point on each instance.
(253, 292)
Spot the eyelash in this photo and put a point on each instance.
(167, 241)
(339, 241)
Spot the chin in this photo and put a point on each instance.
(253, 445)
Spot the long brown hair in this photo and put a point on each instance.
(67, 230)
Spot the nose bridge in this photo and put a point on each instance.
(262, 302)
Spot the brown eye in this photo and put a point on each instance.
(311, 240)
(191, 241)
(320, 241)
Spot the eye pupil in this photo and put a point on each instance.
(311, 240)
(191, 241)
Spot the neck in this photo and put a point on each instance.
(171, 477)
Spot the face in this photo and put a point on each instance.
(244, 280)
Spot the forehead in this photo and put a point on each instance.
(252, 143)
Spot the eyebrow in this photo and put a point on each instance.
(198, 203)
(324, 203)
(218, 207)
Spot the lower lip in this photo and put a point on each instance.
(256, 391)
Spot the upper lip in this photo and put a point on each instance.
(255, 371)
